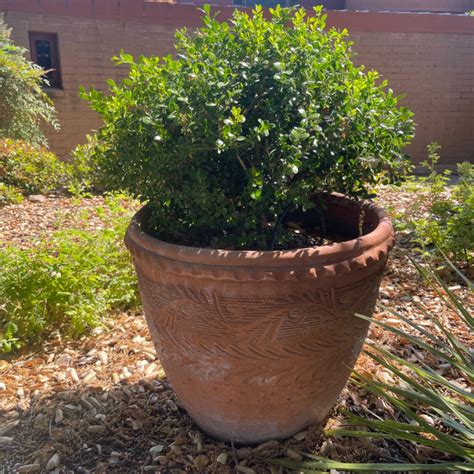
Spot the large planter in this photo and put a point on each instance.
(258, 345)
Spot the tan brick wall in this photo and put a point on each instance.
(434, 70)
(86, 47)
(436, 73)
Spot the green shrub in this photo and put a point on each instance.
(67, 281)
(24, 106)
(31, 169)
(442, 216)
(9, 195)
(86, 174)
(433, 410)
(250, 120)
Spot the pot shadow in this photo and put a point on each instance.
(137, 427)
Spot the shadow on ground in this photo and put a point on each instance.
(130, 428)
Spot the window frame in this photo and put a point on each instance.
(55, 82)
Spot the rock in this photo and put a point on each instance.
(73, 374)
(165, 429)
(29, 468)
(5, 429)
(6, 441)
(53, 462)
(96, 429)
(36, 198)
(300, 436)
(222, 458)
(90, 376)
(294, 455)
(114, 460)
(63, 360)
(151, 468)
(156, 449)
(428, 419)
(177, 450)
(162, 460)
(201, 461)
(58, 415)
(326, 448)
(272, 444)
(103, 357)
(243, 453)
(180, 440)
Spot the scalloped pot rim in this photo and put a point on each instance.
(382, 237)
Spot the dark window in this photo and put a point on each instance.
(45, 53)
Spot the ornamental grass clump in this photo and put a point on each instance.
(251, 120)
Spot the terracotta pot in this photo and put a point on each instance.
(258, 345)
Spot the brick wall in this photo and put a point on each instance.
(86, 47)
(452, 6)
(436, 72)
(428, 57)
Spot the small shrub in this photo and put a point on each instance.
(442, 216)
(9, 195)
(31, 169)
(250, 120)
(86, 174)
(24, 106)
(67, 281)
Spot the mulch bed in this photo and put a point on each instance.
(103, 403)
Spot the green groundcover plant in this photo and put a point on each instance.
(31, 169)
(441, 218)
(27, 169)
(85, 172)
(68, 281)
(9, 195)
(251, 119)
(24, 106)
(432, 402)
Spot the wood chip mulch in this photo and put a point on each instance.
(103, 404)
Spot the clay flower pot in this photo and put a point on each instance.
(258, 345)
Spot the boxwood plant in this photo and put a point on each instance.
(249, 120)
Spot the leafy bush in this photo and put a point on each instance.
(441, 218)
(66, 281)
(24, 106)
(31, 169)
(86, 175)
(9, 195)
(250, 120)
(433, 411)
(28, 169)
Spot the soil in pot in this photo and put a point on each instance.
(294, 230)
